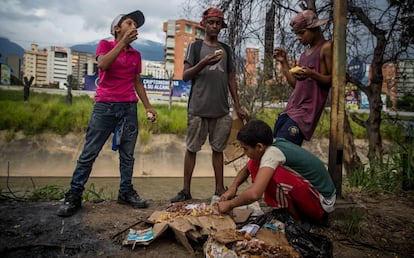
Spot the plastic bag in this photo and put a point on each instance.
(307, 243)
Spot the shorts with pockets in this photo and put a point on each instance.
(217, 129)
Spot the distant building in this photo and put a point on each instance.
(14, 62)
(59, 65)
(153, 69)
(252, 65)
(389, 83)
(35, 64)
(405, 77)
(83, 63)
(179, 34)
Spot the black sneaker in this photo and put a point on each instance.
(181, 196)
(133, 199)
(71, 205)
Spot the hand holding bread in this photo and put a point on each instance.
(296, 69)
(218, 52)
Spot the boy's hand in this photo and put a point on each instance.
(229, 194)
(130, 36)
(151, 115)
(242, 114)
(280, 55)
(303, 73)
(212, 59)
(223, 207)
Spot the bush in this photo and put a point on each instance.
(392, 175)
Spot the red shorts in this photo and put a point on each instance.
(288, 189)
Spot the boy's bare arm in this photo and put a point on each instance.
(325, 75)
(142, 94)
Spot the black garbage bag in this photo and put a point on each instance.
(309, 244)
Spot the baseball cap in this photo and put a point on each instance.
(214, 12)
(306, 20)
(137, 16)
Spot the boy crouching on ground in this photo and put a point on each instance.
(290, 177)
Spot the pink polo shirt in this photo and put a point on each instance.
(116, 84)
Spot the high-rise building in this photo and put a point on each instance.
(59, 65)
(252, 64)
(14, 62)
(35, 64)
(179, 34)
(405, 77)
(82, 64)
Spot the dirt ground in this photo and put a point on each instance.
(361, 226)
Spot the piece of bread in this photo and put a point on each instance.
(218, 52)
(296, 69)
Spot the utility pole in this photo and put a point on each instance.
(336, 138)
(170, 74)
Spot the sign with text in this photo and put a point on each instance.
(356, 68)
(153, 86)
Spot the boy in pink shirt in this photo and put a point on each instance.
(114, 111)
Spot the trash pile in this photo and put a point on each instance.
(241, 234)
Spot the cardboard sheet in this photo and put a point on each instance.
(192, 227)
(233, 150)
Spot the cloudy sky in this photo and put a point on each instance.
(68, 22)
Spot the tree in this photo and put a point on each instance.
(383, 23)
(377, 31)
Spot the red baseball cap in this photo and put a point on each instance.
(305, 20)
(213, 12)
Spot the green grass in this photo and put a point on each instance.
(46, 193)
(391, 175)
(50, 113)
(43, 113)
(354, 223)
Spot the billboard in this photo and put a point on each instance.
(357, 68)
(352, 99)
(5, 74)
(153, 86)
(91, 82)
(161, 87)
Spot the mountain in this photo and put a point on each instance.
(9, 48)
(150, 50)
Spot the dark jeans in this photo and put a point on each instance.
(286, 128)
(104, 118)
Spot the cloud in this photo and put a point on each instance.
(65, 23)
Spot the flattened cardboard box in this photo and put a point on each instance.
(190, 227)
(233, 151)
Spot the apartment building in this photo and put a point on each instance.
(35, 64)
(179, 34)
(405, 76)
(83, 63)
(252, 65)
(13, 61)
(59, 65)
